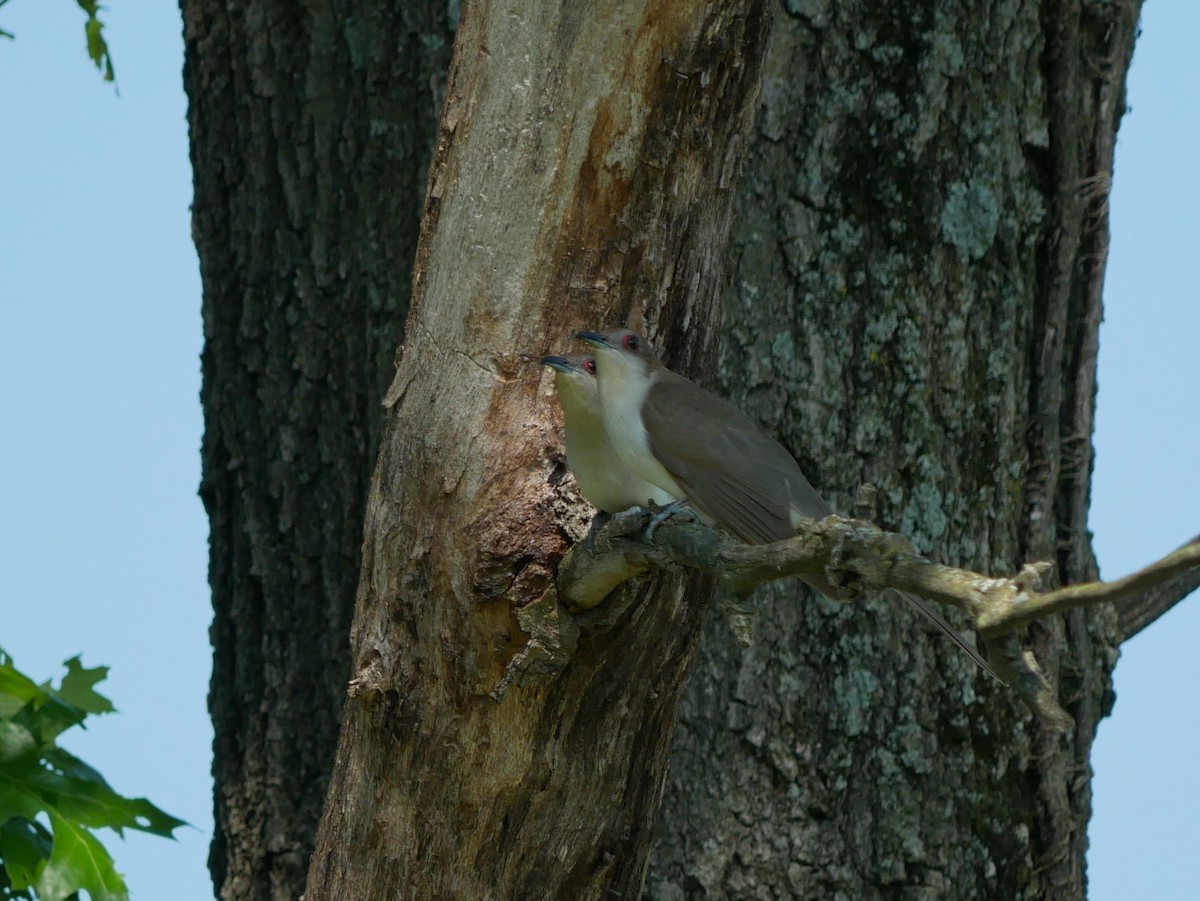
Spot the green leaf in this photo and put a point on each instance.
(38, 779)
(25, 847)
(15, 741)
(97, 46)
(81, 795)
(66, 763)
(77, 862)
(50, 719)
(77, 687)
(95, 40)
(17, 800)
(17, 685)
(9, 706)
(48, 712)
(42, 710)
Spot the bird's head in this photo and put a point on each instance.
(620, 350)
(575, 376)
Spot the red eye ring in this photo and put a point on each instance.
(589, 366)
(632, 343)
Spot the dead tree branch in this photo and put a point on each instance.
(1136, 612)
(856, 557)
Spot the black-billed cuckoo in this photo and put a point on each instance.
(674, 434)
(601, 476)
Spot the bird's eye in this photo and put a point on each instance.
(589, 366)
(632, 343)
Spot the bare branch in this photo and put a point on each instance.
(1137, 612)
(851, 557)
(1001, 618)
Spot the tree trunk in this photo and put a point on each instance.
(919, 252)
(920, 247)
(311, 129)
(585, 169)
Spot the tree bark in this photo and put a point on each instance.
(311, 130)
(919, 255)
(584, 173)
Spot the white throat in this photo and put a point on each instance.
(624, 383)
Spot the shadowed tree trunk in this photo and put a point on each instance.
(920, 248)
(311, 129)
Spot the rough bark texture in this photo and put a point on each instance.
(311, 129)
(584, 173)
(919, 256)
(920, 249)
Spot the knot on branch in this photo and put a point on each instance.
(1032, 577)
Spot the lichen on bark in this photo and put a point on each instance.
(891, 246)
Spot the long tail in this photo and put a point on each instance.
(934, 617)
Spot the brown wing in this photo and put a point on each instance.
(732, 471)
(737, 475)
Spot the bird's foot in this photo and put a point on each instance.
(659, 515)
(631, 513)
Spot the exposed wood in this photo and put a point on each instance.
(583, 173)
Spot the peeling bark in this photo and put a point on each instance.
(584, 174)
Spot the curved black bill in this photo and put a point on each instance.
(594, 338)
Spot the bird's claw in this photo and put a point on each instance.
(659, 515)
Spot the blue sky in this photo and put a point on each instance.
(103, 541)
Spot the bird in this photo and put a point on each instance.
(603, 479)
(670, 432)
